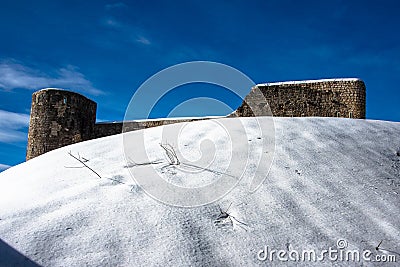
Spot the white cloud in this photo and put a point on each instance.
(112, 23)
(143, 40)
(126, 32)
(116, 5)
(4, 167)
(13, 126)
(14, 75)
(12, 136)
(13, 120)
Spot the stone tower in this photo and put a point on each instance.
(59, 118)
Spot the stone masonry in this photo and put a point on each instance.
(318, 98)
(60, 118)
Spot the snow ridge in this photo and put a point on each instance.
(311, 81)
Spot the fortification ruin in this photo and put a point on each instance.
(60, 117)
(315, 98)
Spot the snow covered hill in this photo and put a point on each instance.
(333, 184)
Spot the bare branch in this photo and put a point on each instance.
(74, 167)
(83, 162)
(134, 164)
(224, 215)
(207, 169)
(171, 154)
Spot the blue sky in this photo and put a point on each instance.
(107, 49)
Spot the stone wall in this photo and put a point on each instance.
(59, 118)
(319, 98)
(111, 128)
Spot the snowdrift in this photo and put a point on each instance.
(334, 183)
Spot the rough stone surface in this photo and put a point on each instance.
(59, 118)
(325, 98)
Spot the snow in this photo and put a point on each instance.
(180, 118)
(331, 179)
(51, 88)
(164, 119)
(310, 81)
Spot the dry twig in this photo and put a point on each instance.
(171, 154)
(83, 161)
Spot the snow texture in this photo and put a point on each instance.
(310, 81)
(164, 119)
(331, 179)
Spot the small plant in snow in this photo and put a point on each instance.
(379, 248)
(225, 216)
(83, 161)
(117, 179)
(137, 164)
(171, 154)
